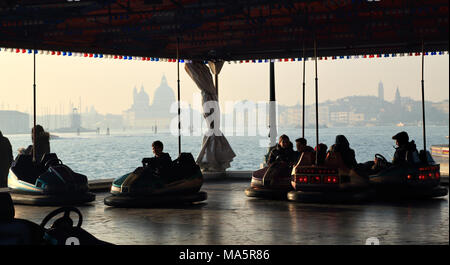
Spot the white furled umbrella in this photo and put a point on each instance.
(216, 153)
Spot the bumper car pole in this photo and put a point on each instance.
(34, 106)
(272, 106)
(178, 88)
(303, 97)
(423, 101)
(317, 104)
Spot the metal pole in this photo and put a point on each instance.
(303, 104)
(179, 110)
(423, 102)
(317, 104)
(272, 106)
(34, 106)
(272, 81)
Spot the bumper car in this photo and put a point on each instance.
(150, 186)
(331, 182)
(14, 231)
(271, 184)
(407, 180)
(47, 183)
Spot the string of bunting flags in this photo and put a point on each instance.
(152, 59)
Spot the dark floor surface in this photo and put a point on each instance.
(229, 217)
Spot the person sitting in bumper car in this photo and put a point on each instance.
(282, 155)
(342, 146)
(302, 147)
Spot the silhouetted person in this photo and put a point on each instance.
(6, 158)
(282, 152)
(280, 157)
(321, 150)
(302, 146)
(405, 149)
(42, 143)
(342, 146)
(161, 159)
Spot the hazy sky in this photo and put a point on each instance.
(108, 84)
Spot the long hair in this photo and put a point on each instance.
(342, 140)
(39, 132)
(284, 136)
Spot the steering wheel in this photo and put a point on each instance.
(66, 218)
(382, 158)
(51, 161)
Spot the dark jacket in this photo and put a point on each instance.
(42, 145)
(404, 153)
(162, 161)
(6, 158)
(320, 152)
(282, 154)
(165, 160)
(298, 154)
(6, 155)
(342, 146)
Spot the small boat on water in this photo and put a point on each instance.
(54, 137)
(151, 186)
(400, 124)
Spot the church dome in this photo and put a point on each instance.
(163, 99)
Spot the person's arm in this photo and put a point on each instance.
(399, 156)
(10, 152)
(272, 157)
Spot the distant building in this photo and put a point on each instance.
(143, 115)
(442, 106)
(346, 117)
(14, 122)
(380, 92)
(398, 99)
(292, 117)
(310, 115)
(75, 121)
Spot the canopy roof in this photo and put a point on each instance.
(225, 30)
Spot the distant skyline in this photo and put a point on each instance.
(108, 84)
